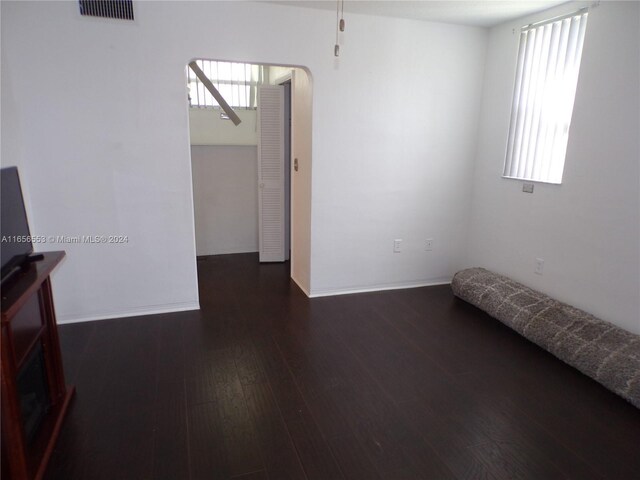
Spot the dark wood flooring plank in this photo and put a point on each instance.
(249, 369)
(319, 365)
(275, 370)
(570, 400)
(395, 447)
(263, 382)
(171, 358)
(352, 458)
(390, 359)
(202, 332)
(278, 452)
(451, 438)
(98, 411)
(313, 450)
(125, 441)
(240, 437)
(261, 475)
(74, 339)
(459, 346)
(571, 426)
(389, 443)
(216, 380)
(208, 369)
(507, 461)
(171, 433)
(207, 450)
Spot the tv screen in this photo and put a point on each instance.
(16, 238)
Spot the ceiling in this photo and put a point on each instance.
(481, 13)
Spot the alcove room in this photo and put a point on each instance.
(320, 239)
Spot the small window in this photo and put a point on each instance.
(236, 82)
(546, 79)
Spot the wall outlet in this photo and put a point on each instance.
(428, 244)
(527, 188)
(397, 245)
(539, 266)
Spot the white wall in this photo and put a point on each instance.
(587, 229)
(11, 153)
(301, 193)
(225, 193)
(101, 127)
(393, 148)
(207, 128)
(225, 181)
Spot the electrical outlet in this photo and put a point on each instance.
(397, 245)
(539, 266)
(429, 244)
(527, 187)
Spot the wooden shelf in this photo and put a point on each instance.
(29, 331)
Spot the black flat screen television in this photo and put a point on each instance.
(16, 238)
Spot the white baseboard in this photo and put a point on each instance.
(134, 312)
(304, 290)
(229, 251)
(376, 288)
(188, 306)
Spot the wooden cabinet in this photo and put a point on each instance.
(34, 395)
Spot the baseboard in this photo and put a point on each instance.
(304, 290)
(229, 251)
(187, 306)
(134, 312)
(376, 288)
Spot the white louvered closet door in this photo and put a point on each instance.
(271, 219)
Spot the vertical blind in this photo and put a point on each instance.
(546, 79)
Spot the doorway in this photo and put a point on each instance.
(224, 158)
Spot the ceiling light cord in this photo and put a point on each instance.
(336, 48)
(339, 25)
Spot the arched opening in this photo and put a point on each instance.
(234, 210)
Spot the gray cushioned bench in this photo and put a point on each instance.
(597, 348)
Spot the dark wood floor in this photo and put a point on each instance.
(264, 383)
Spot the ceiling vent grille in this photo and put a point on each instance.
(120, 9)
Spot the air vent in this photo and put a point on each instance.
(121, 9)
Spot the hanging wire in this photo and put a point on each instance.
(342, 17)
(336, 49)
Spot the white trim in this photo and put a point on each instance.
(287, 77)
(134, 312)
(531, 26)
(230, 251)
(376, 288)
(192, 205)
(299, 284)
(522, 179)
(292, 225)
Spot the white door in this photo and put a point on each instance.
(271, 174)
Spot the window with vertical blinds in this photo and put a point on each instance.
(546, 79)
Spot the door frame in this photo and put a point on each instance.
(282, 80)
(303, 278)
